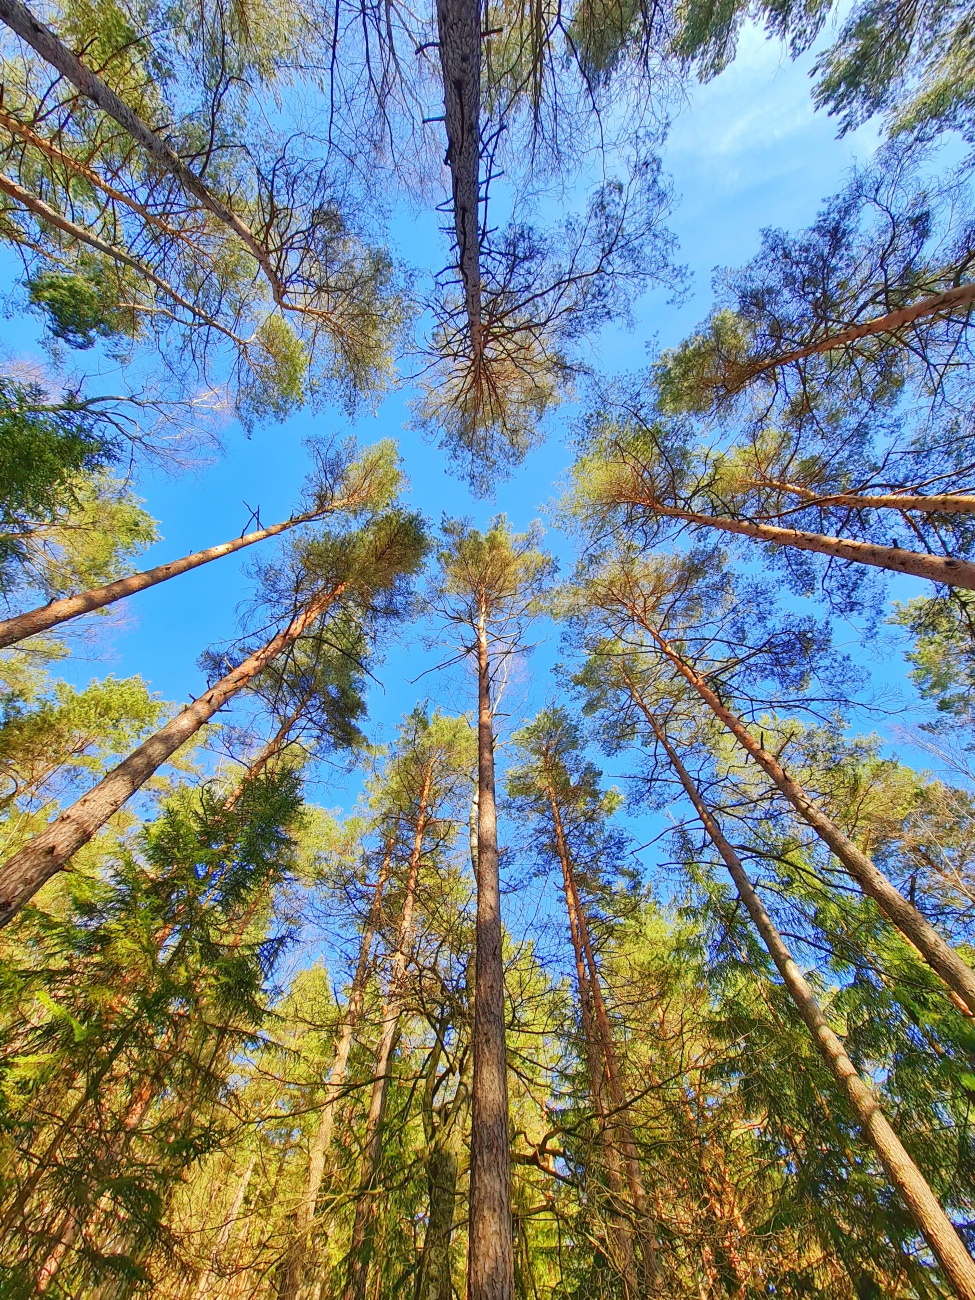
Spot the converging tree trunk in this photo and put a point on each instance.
(490, 1268)
(935, 568)
(459, 31)
(606, 1080)
(351, 1016)
(44, 617)
(940, 956)
(935, 1226)
(935, 304)
(45, 855)
(360, 1249)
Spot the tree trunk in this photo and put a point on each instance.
(490, 1265)
(362, 1229)
(274, 745)
(961, 296)
(433, 1279)
(44, 617)
(45, 855)
(916, 929)
(600, 1070)
(226, 1228)
(935, 1226)
(933, 503)
(350, 1019)
(53, 50)
(935, 568)
(459, 30)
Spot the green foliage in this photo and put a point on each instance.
(80, 306)
(943, 655)
(45, 448)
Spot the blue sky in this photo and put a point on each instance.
(747, 151)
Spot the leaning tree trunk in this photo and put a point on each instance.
(45, 855)
(490, 1263)
(226, 1228)
(935, 1226)
(365, 1210)
(932, 503)
(350, 1020)
(44, 617)
(53, 50)
(600, 1072)
(459, 31)
(935, 304)
(916, 929)
(273, 746)
(935, 568)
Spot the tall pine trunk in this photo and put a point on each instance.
(351, 1016)
(935, 568)
(459, 32)
(490, 1264)
(23, 874)
(935, 1226)
(962, 295)
(601, 1062)
(365, 1211)
(44, 617)
(940, 956)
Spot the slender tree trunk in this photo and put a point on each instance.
(350, 1019)
(226, 1228)
(45, 855)
(459, 30)
(443, 1135)
(53, 50)
(934, 503)
(359, 1250)
(935, 1226)
(961, 296)
(935, 568)
(598, 1068)
(433, 1278)
(940, 956)
(44, 617)
(268, 751)
(490, 1264)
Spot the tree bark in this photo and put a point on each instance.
(459, 30)
(226, 1228)
(433, 1278)
(961, 296)
(935, 1226)
(902, 914)
(603, 1067)
(931, 503)
(321, 1145)
(44, 617)
(490, 1264)
(935, 568)
(45, 855)
(53, 50)
(360, 1247)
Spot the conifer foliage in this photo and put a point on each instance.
(386, 966)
